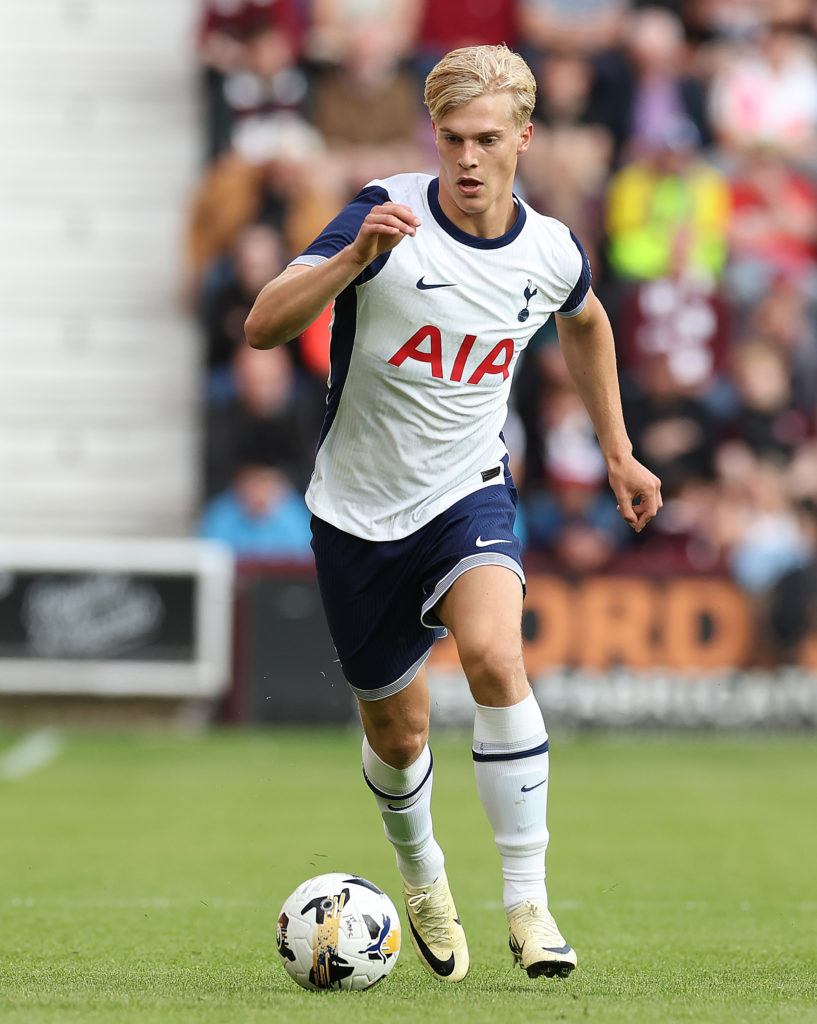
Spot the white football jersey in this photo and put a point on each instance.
(423, 348)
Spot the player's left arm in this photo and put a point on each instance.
(586, 340)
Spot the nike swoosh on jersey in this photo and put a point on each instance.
(527, 789)
(480, 543)
(421, 284)
(441, 967)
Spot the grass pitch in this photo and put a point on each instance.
(141, 877)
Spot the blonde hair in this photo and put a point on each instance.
(472, 71)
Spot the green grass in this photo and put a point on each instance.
(141, 878)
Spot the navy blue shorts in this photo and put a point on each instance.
(379, 596)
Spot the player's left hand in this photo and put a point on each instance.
(637, 490)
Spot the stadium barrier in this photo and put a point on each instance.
(285, 668)
(169, 619)
(605, 650)
(115, 618)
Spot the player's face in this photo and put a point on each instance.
(479, 145)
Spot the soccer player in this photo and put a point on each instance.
(438, 284)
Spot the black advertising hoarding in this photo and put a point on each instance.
(285, 669)
(115, 617)
(611, 650)
(97, 616)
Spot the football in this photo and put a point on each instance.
(338, 931)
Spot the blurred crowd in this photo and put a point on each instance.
(678, 140)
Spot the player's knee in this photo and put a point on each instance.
(402, 748)
(495, 672)
(397, 742)
(490, 660)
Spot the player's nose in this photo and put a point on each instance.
(467, 156)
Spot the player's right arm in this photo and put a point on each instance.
(292, 301)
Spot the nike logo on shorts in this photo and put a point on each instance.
(480, 543)
(421, 284)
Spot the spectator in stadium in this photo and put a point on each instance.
(413, 506)
(785, 318)
(575, 522)
(669, 426)
(231, 40)
(574, 516)
(271, 81)
(260, 515)
(668, 209)
(758, 527)
(685, 317)
(274, 173)
(765, 94)
(445, 25)
(273, 409)
(551, 426)
(645, 87)
(715, 21)
(228, 297)
(684, 538)
(330, 21)
(570, 151)
(564, 81)
(586, 27)
(793, 599)
(773, 226)
(384, 135)
(765, 419)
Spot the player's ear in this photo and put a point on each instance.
(524, 138)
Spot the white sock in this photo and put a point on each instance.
(404, 799)
(511, 768)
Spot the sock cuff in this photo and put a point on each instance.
(395, 783)
(489, 752)
(503, 734)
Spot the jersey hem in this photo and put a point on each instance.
(431, 511)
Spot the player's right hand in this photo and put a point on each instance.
(384, 227)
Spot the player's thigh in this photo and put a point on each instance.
(397, 726)
(483, 610)
(372, 596)
(483, 602)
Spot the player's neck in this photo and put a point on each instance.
(494, 222)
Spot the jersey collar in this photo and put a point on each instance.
(463, 236)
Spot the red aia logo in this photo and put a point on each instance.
(498, 359)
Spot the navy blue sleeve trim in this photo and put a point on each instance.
(577, 296)
(373, 268)
(343, 229)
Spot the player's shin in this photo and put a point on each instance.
(403, 797)
(511, 768)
